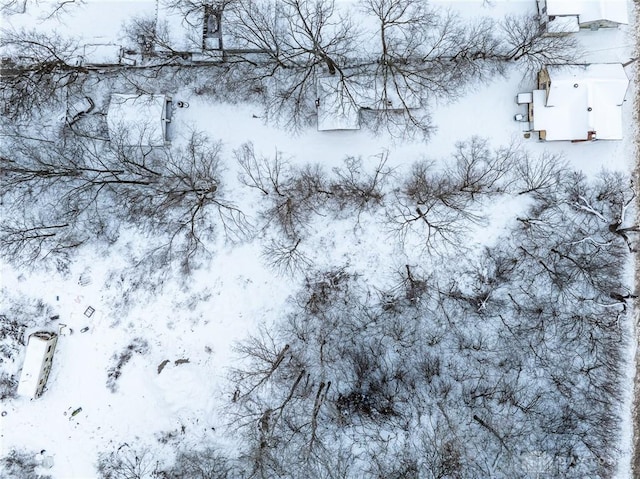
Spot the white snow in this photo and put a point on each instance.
(581, 99)
(234, 294)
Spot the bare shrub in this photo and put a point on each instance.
(127, 463)
(540, 176)
(293, 194)
(285, 258)
(207, 463)
(352, 187)
(20, 464)
(8, 385)
(137, 346)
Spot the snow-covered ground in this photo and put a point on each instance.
(235, 292)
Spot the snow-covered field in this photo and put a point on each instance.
(200, 318)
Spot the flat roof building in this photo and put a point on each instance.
(139, 120)
(568, 16)
(337, 109)
(579, 102)
(37, 364)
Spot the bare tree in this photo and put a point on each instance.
(183, 186)
(288, 45)
(89, 187)
(37, 71)
(525, 42)
(55, 9)
(421, 54)
(286, 258)
(478, 170)
(30, 238)
(201, 464)
(430, 209)
(540, 176)
(127, 463)
(433, 204)
(294, 194)
(352, 186)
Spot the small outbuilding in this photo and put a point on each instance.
(337, 108)
(340, 104)
(37, 364)
(139, 120)
(569, 16)
(211, 27)
(579, 102)
(104, 55)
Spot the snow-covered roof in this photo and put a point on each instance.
(336, 107)
(138, 119)
(591, 10)
(387, 96)
(33, 362)
(563, 24)
(101, 54)
(581, 99)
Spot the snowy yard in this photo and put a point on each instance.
(435, 294)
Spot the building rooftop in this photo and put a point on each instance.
(137, 120)
(337, 109)
(30, 375)
(563, 24)
(581, 99)
(591, 10)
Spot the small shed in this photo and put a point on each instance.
(389, 95)
(579, 102)
(104, 55)
(568, 16)
(139, 120)
(211, 27)
(37, 364)
(337, 109)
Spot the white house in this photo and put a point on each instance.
(568, 16)
(37, 364)
(139, 120)
(579, 102)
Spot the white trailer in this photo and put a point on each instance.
(37, 364)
